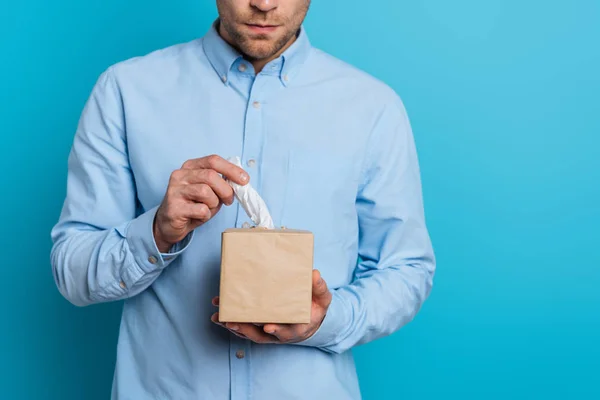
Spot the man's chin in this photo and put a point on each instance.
(256, 53)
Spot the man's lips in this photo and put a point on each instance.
(262, 28)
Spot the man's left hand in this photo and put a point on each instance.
(284, 333)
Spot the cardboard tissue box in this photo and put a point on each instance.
(266, 272)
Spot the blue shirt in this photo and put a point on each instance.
(330, 150)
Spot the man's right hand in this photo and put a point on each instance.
(194, 195)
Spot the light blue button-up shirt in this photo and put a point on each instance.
(330, 150)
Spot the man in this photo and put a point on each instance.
(329, 149)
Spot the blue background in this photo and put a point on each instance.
(503, 97)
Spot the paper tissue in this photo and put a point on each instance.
(266, 272)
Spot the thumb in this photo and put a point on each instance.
(321, 293)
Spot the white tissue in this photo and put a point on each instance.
(251, 202)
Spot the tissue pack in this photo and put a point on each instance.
(266, 276)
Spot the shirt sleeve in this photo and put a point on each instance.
(103, 245)
(396, 265)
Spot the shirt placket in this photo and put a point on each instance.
(240, 349)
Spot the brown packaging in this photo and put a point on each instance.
(266, 276)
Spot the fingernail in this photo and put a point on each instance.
(269, 329)
(233, 327)
(244, 177)
(319, 281)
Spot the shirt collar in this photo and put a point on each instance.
(223, 56)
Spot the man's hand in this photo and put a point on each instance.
(194, 195)
(288, 333)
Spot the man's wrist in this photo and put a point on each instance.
(315, 327)
(335, 321)
(162, 245)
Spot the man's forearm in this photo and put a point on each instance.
(107, 265)
(373, 307)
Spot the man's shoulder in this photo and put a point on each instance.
(355, 79)
(159, 63)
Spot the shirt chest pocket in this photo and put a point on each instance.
(320, 188)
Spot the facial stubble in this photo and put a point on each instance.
(251, 46)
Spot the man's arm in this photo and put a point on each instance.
(102, 250)
(397, 264)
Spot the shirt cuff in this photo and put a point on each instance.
(335, 321)
(140, 238)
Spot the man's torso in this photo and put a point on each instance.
(301, 133)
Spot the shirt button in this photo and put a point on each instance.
(123, 285)
(251, 162)
(242, 67)
(245, 225)
(224, 78)
(240, 354)
(152, 260)
(285, 78)
(256, 104)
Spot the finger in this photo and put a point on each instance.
(290, 333)
(285, 333)
(215, 210)
(252, 332)
(215, 318)
(322, 296)
(219, 186)
(319, 286)
(194, 223)
(222, 166)
(197, 211)
(201, 193)
(236, 332)
(215, 301)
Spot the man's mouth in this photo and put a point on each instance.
(262, 28)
